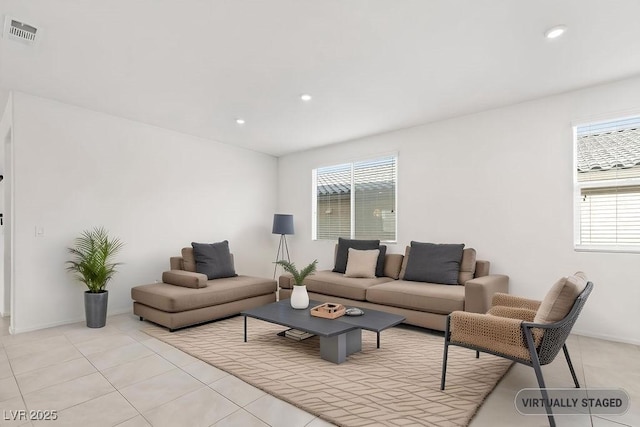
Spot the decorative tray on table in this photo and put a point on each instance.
(328, 310)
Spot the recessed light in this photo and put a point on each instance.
(555, 32)
(240, 121)
(305, 97)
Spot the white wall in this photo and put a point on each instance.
(500, 181)
(155, 189)
(6, 121)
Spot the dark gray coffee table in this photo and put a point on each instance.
(338, 337)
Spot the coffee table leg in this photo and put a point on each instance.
(378, 339)
(245, 328)
(354, 341)
(336, 349)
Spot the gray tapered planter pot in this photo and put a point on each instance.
(95, 308)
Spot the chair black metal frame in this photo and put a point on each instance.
(553, 339)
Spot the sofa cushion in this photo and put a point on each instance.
(188, 279)
(342, 253)
(174, 299)
(467, 265)
(560, 298)
(362, 263)
(428, 297)
(381, 258)
(392, 265)
(405, 259)
(213, 259)
(434, 263)
(335, 284)
(188, 260)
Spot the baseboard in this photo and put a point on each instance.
(5, 314)
(13, 331)
(119, 311)
(607, 337)
(46, 325)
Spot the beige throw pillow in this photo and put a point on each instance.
(362, 263)
(560, 298)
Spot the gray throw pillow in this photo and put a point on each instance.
(213, 259)
(434, 263)
(364, 245)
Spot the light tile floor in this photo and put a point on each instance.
(118, 375)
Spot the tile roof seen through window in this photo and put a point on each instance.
(609, 150)
(342, 188)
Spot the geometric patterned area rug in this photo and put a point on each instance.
(395, 385)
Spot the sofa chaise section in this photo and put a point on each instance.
(186, 298)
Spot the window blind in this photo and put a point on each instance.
(357, 200)
(610, 216)
(333, 203)
(375, 199)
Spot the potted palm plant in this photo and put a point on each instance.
(299, 296)
(93, 264)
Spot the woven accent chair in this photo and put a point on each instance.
(526, 331)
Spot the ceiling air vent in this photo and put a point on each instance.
(20, 31)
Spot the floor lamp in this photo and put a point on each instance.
(282, 225)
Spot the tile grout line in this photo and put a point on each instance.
(204, 385)
(117, 389)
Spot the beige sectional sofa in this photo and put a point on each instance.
(423, 304)
(186, 298)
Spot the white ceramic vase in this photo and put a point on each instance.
(299, 297)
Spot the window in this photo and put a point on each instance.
(356, 200)
(608, 185)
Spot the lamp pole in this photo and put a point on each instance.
(282, 225)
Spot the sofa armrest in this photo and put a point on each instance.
(186, 279)
(478, 292)
(286, 281)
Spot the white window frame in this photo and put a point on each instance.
(314, 197)
(579, 186)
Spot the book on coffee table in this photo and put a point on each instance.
(296, 334)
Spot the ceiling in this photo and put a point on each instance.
(372, 66)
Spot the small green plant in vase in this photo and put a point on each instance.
(299, 296)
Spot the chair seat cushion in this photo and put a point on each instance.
(336, 284)
(175, 299)
(429, 297)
